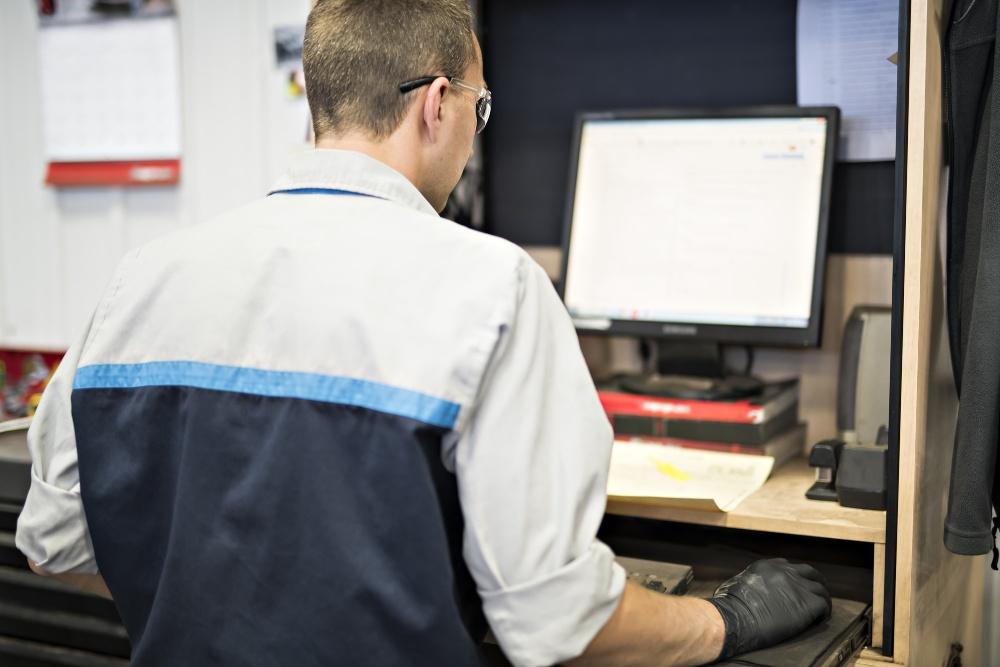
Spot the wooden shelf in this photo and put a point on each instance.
(780, 506)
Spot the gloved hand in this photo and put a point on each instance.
(769, 602)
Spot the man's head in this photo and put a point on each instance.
(356, 55)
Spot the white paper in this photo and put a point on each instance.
(111, 90)
(843, 50)
(685, 478)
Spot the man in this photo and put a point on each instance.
(331, 428)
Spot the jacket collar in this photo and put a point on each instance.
(352, 171)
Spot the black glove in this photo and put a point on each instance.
(769, 602)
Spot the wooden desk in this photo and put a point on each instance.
(13, 440)
(937, 596)
(780, 506)
(15, 461)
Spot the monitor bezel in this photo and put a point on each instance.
(808, 336)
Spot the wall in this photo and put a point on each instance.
(59, 247)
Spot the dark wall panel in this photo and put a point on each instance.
(862, 207)
(545, 60)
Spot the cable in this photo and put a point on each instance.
(749, 366)
(646, 355)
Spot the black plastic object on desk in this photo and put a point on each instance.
(667, 578)
(861, 477)
(853, 475)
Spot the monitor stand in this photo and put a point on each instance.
(692, 371)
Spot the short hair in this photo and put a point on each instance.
(357, 52)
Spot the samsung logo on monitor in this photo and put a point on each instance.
(679, 330)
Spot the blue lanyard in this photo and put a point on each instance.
(320, 191)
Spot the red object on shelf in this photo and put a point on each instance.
(14, 361)
(772, 403)
(128, 172)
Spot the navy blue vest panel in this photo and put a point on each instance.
(236, 529)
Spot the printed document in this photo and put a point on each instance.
(844, 48)
(684, 478)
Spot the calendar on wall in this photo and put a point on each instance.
(111, 103)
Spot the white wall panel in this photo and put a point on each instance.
(29, 234)
(58, 248)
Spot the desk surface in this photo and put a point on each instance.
(13, 441)
(780, 506)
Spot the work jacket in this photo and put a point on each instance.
(329, 428)
(972, 95)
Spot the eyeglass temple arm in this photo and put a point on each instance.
(408, 86)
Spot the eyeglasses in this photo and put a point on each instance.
(484, 98)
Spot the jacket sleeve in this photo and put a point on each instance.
(52, 528)
(532, 469)
(967, 526)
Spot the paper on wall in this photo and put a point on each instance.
(684, 478)
(111, 90)
(843, 50)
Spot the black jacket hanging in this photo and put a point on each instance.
(972, 93)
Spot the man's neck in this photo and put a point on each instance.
(390, 151)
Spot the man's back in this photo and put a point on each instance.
(289, 436)
(263, 397)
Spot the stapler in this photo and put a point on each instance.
(851, 474)
(825, 457)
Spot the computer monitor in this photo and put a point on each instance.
(700, 225)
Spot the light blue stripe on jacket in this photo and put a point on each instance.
(281, 384)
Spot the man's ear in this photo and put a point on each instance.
(433, 110)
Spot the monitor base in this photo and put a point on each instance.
(693, 370)
(689, 387)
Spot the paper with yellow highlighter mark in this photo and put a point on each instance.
(684, 478)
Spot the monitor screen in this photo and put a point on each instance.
(710, 227)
